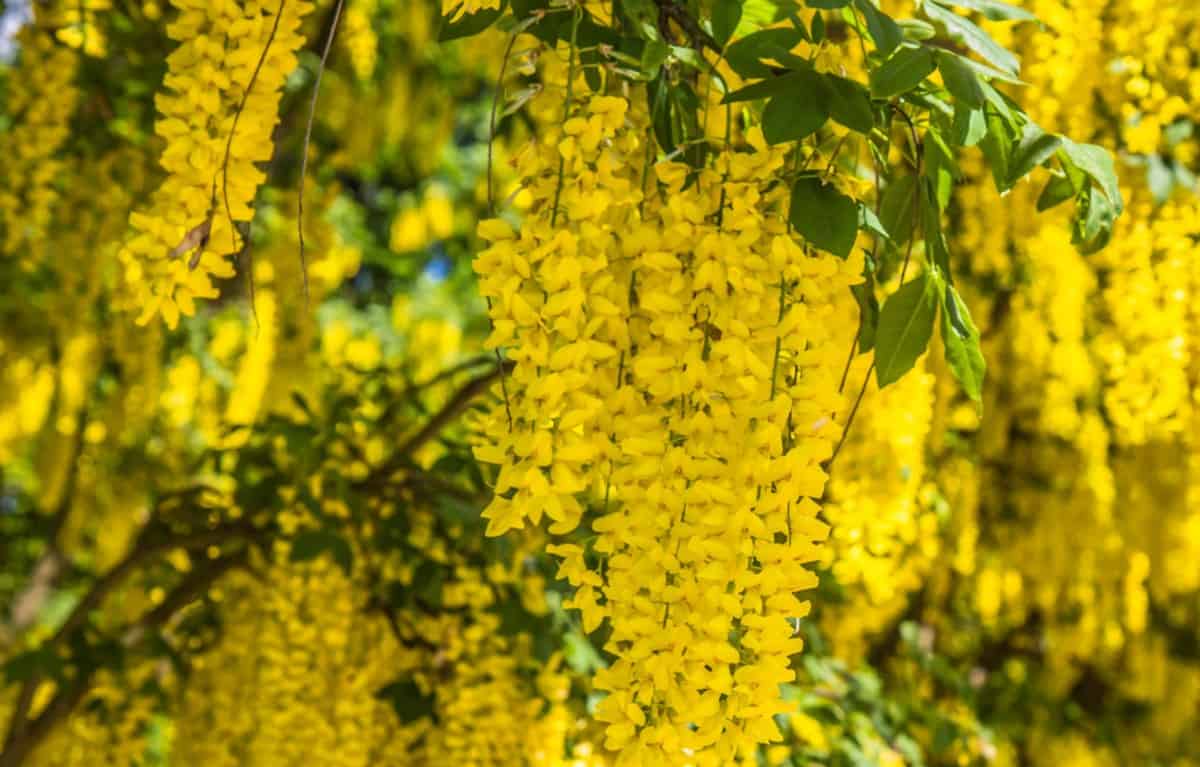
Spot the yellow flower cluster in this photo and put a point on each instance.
(456, 9)
(316, 655)
(75, 23)
(43, 93)
(675, 367)
(359, 37)
(884, 534)
(417, 226)
(217, 114)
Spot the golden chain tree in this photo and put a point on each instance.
(599, 382)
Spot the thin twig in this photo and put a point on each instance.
(229, 146)
(454, 407)
(312, 111)
(916, 229)
(491, 199)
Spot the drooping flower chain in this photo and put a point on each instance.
(675, 368)
(228, 71)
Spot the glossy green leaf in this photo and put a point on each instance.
(997, 146)
(906, 69)
(643, 18)
(1035, 147)
(969, 125)
(1057, 191)
(882, 28)
(791, 117)
(960, 340)
(654, 54)
(960, 79)
(935, 240)
(966, 31)
(726, 15)
(1097, 163)
(868, 312)
(916, 29)
(905, 327)
(824, 216)
(896, 208)
(745, 55)
(869, 222)
(1093, 226)
(994, 10)
(790, 83)
(849, 104)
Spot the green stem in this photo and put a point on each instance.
(566, 110)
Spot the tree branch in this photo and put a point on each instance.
(25, 735)
(453, 408)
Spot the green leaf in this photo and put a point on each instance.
(774, 86)
(757, 14)
(960, 79)
(969, 125)
(1057, 191)
(916, 29)
(469, 24)
(725, 17)
(654, 53)
(868, 221)
(849, 104)
(643, 17)
(938, 155)
(935, 240)
(960, 340)
(905, 327)
(906, 69)
(896, 208)
(1094, 230)
(997, 146)
(745, 55)
(868, 312)
(1097, 163)
(973, 37)
(310, 544)
(1036, 147)
(994, 10)
(884, 31)
(827, 5)
(792, 117)
(824, 216)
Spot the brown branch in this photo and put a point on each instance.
(25, 736)
(697, 37)
(27, 604)
(20, 728)
(143, 551)
(453, 408)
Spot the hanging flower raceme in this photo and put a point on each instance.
(217, 113)
(674, 369)
(42, 95)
